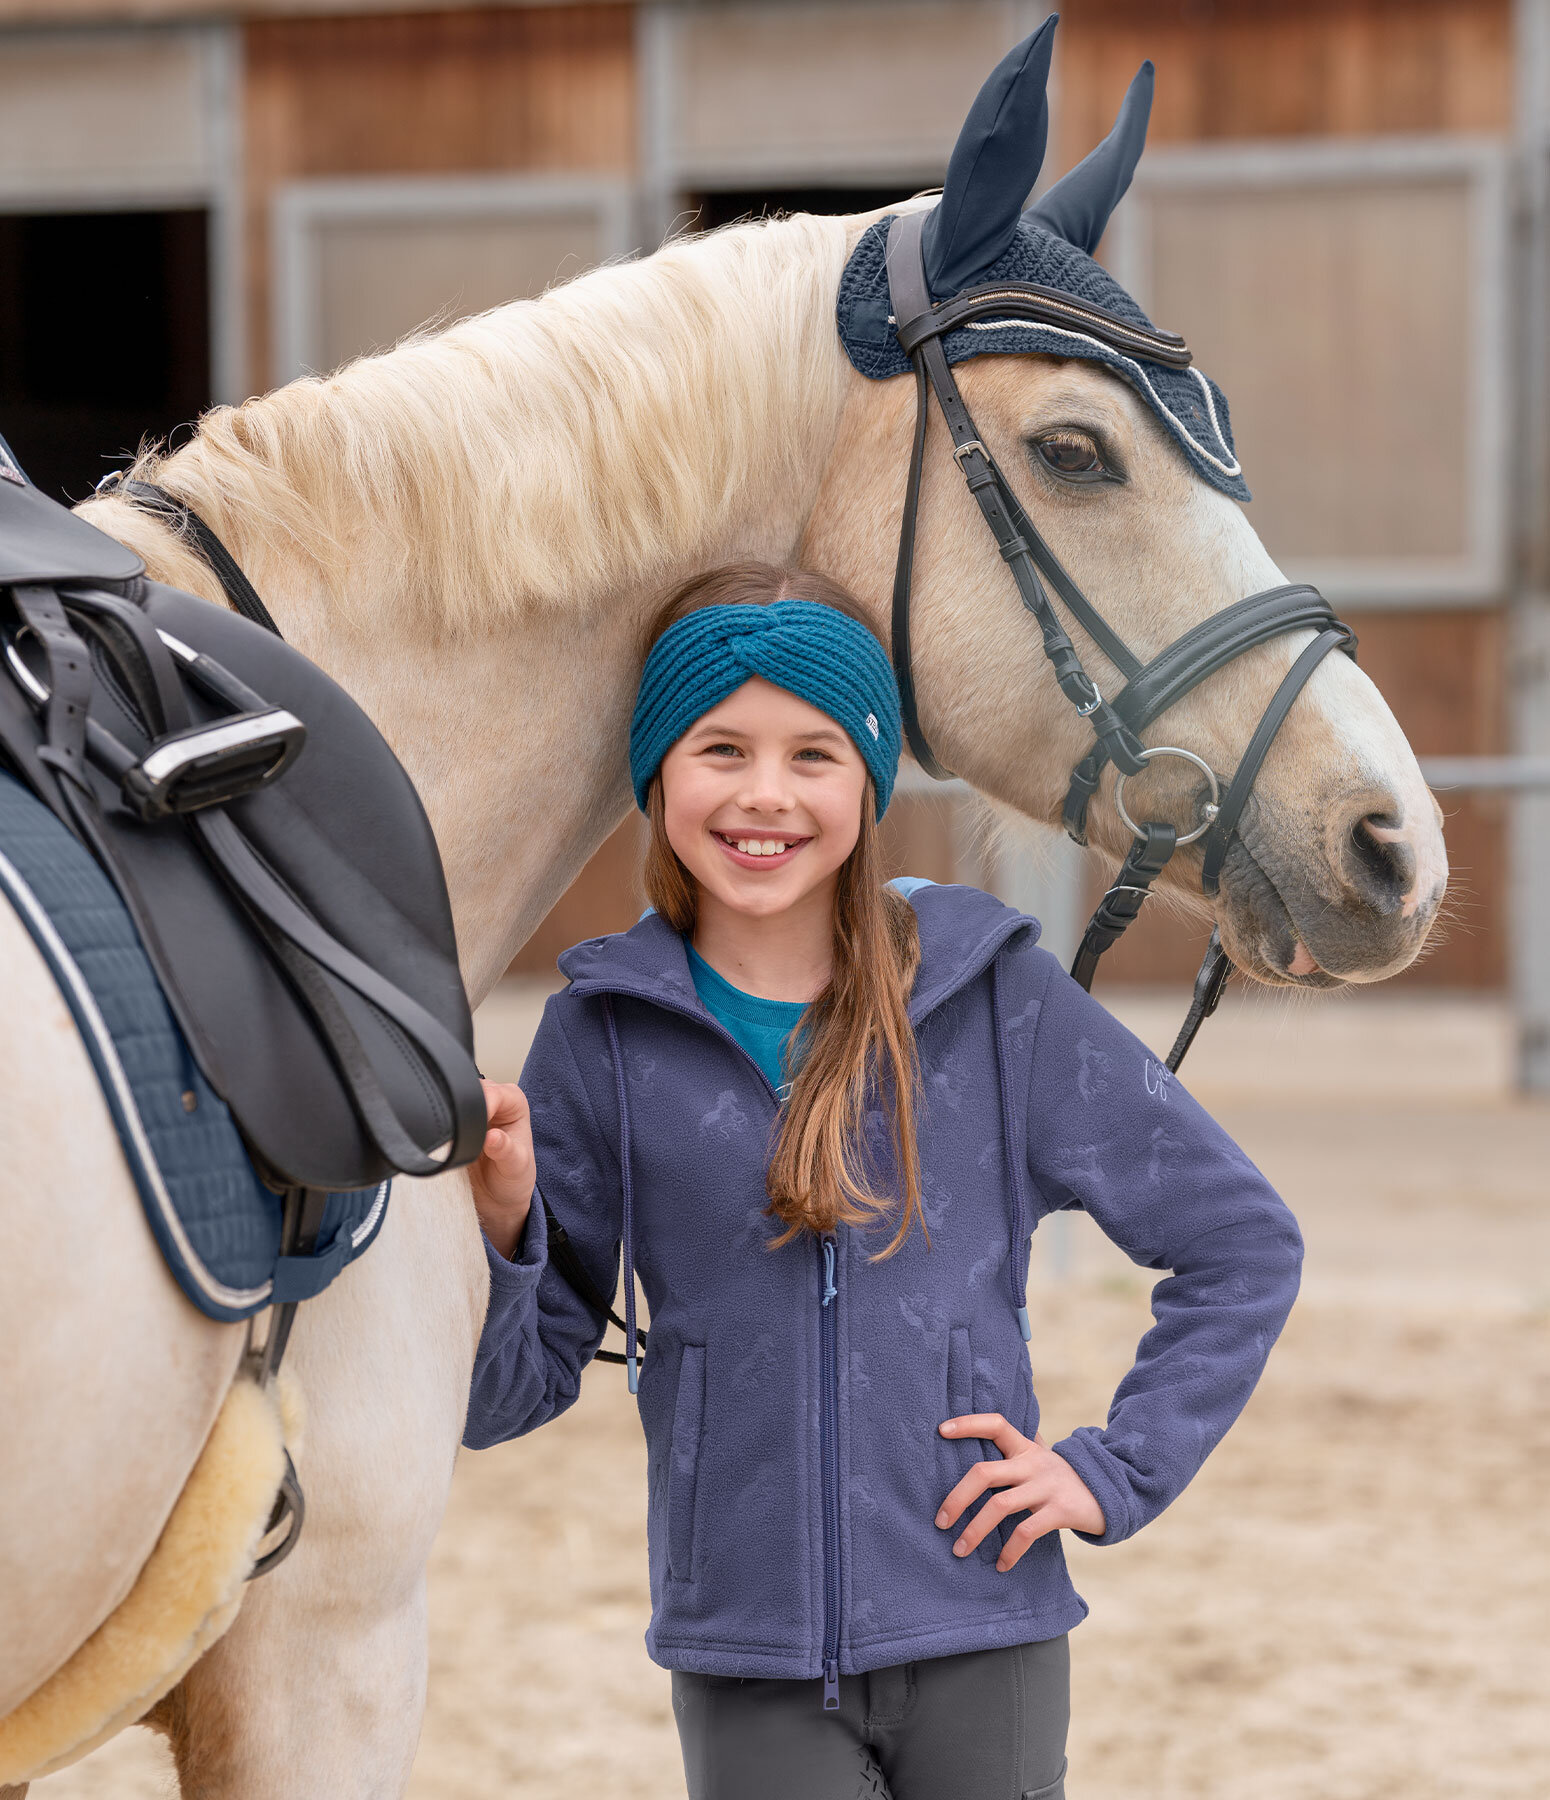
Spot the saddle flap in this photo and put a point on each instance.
(342, 1041)
(42, 541)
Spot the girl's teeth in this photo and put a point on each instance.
(760, 846)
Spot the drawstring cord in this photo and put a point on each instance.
(1014, 1162)
(631, 1361)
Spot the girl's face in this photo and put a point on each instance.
(762, 799)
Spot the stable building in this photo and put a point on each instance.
(1343, 208)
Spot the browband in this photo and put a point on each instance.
(1042, 306)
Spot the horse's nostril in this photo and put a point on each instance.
(1382, 862)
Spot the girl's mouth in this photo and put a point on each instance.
(751, 852)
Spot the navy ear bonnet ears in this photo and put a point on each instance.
(979, 236)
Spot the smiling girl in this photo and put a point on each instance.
(822, 1114)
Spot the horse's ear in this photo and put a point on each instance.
(1078, 206)
(992, 169)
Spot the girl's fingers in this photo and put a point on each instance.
(504, 1103)
(998, 1507)
(1006, 1438)
(983, 1475)
(1021, 1539)
(508, 1151)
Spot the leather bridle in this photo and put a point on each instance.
(1150, 688)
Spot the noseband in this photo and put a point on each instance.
(1150, 688)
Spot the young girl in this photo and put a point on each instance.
(823, 1115)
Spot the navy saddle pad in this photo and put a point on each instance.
(217, 1224)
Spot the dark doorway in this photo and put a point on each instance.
(104, 337)
(723, 206)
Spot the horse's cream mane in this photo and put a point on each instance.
(546, 452)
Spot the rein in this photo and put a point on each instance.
(1150, 688)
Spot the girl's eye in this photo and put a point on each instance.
(813, 754)
(722, 750)
(1073, 456)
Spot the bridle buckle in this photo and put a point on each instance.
(972, 448)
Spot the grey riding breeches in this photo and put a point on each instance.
(987, 1725)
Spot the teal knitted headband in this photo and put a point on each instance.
(822, 656)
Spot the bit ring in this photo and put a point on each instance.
(1209, 811)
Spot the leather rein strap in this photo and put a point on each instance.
(242, 594)
(1150, 688)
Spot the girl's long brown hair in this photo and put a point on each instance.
(859, 1047)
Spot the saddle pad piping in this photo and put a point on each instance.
(115, 1087)
(363, 1233)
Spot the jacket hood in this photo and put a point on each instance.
(961, 930)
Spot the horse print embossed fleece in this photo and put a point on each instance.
(791, 1398)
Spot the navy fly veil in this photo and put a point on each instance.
(980, 242)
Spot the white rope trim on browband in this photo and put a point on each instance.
(1234, 468)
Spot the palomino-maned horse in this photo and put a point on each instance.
(470, 533)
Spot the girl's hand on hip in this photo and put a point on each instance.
(1032, 1479)
(505, 1173)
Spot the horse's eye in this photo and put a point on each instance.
(1073, 455)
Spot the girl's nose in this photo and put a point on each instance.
(767, 788)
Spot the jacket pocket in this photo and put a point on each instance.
(684, 1462)
(969, 1451)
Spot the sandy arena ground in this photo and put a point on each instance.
(1352, 1602)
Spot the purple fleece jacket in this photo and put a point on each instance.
(790, 1398)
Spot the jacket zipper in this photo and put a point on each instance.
(828, 1452)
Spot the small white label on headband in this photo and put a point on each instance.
(871, 723)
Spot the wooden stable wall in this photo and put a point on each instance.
(1285, 68)
(477, 91)
(1234, 69)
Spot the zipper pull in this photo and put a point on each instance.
(831, 1686)
(829, 1289)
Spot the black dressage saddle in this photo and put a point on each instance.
(270, 847)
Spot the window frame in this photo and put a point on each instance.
(1480, 577)
(302, 208)
(212, 181)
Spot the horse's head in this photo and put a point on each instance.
(1121, 456)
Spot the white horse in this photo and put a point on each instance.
(470, 533)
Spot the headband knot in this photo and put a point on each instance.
(819, 654)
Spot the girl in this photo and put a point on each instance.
(823, 1115)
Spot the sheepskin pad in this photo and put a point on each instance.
(186, 1596)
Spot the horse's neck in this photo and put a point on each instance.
(707, 439)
